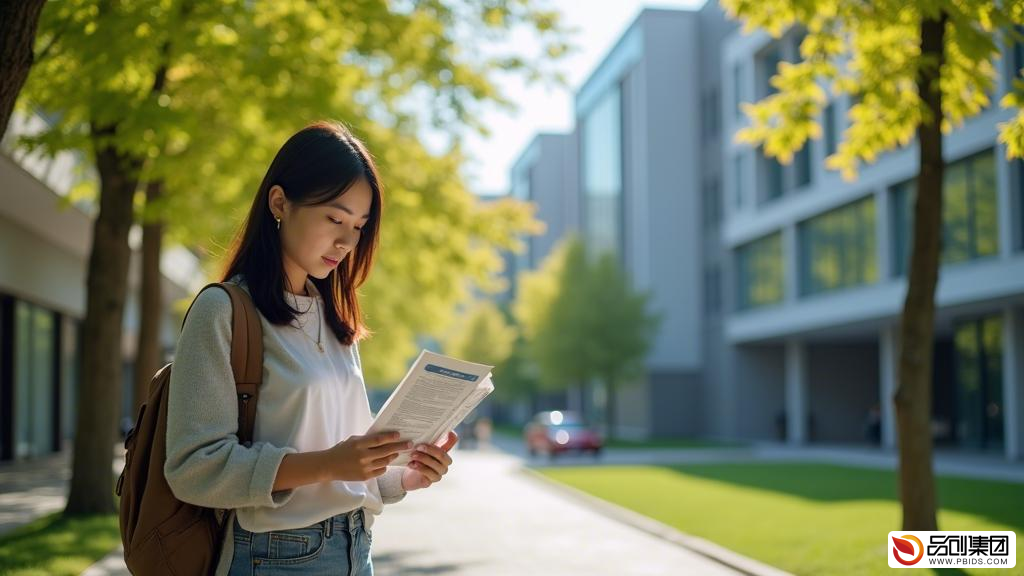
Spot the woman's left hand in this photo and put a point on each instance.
(429, 463)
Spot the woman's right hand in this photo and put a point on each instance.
(363, 457)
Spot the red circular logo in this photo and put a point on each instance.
(905, 547)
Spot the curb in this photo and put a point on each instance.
(705, 548)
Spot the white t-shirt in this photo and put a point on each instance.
(308, 401)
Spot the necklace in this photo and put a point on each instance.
(295, 299)
(319, 324)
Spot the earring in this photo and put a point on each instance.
(278, 222)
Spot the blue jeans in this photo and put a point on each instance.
(337, 546)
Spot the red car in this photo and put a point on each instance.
(558, 431)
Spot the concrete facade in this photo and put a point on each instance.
(45, 243)
(781, 286)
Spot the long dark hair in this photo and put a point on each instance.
(315, 166)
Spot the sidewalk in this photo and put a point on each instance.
(489, 517)
(29, 490)
(35, 488)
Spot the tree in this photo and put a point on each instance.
(192, 99)
(481, 335)
(515, 378)
(581, 320)
(919, 67)
(18, 22)
(621, 329)
(536, 297)
(560, 344)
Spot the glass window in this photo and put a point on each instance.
(737, 180)
(970, 223)
(984, 204)
(1013, 71)
(71, 359)
(902, 231)
(43, 356)
(22, 380)
(992, 367)
(837, 249)
(759, 279)
(772, 177)
(710, 110)
(956, 217)
(968, 385)
(712, 289)
(712, 208)
(829, 127)
(979, 383)
(602, 174)
(769, 65)
(34, 380)
(802, 166)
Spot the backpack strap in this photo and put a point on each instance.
(246, 355)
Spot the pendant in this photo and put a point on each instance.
(320, 346)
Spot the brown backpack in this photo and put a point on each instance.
(161, 534)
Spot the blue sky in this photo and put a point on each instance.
(598, 24)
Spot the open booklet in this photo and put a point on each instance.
(436, 394)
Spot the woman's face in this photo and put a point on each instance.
(315, 239)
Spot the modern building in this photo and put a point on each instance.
(817, 276)
(782, 286)
(44, 249)
(546, 175)
(638, 117)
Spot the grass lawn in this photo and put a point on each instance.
(55, 546)
(803, 518)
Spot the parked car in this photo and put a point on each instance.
(554, 432)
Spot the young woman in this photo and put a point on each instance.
(305, 492)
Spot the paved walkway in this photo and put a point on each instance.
(29, 490)
(488, 517)
(35, 488)
(492, 517)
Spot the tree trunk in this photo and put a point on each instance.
(19, 20)
(99, 400)
(99, 403)
(913, 397)
(147, 359)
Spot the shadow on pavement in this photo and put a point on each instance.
(405, 562)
